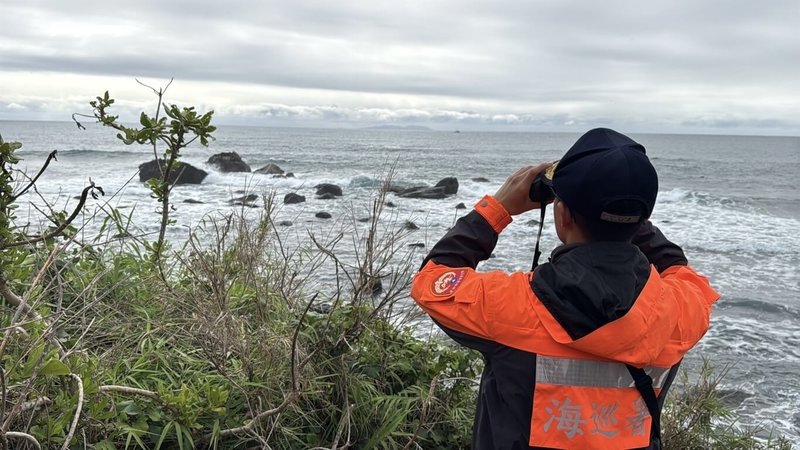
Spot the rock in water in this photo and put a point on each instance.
(245, 200)
(461, 206)
(424, 192)
(409, 225)
(450, 185)
(292, 198)
(269, 169)
(193, 201)
(326, 196)
(322, 308)
(183, 174)
(480, 180)
(228, 162)
(375, 287)
(327, 188)
(323, 215)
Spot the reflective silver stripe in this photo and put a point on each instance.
(581, 372)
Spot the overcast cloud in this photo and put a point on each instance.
(678, 66)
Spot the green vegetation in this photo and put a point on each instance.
(231, 341)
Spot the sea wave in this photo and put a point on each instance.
(93, 152)
(760, 306)
(718, 224)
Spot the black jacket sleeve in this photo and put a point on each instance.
(469, 242)
(659, 251)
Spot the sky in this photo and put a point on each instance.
(680, 66)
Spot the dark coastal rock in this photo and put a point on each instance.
(400, 190)
(321, 308)
(328, 188)
(409, 225)
(376, 287)
(269, 169)
(450, 185)
(184, 174)
(532, 223)
(289, 175)
(193, 201)
(285, 223)
(228, 162)
(292, 198)
(390, 205)
(434, 193)
(364, 219)
(461, 206)
(323, 215)
(732, 398)
(326, 196)
(480, 180)
(446, 186)
(417, 245)
(245, 200)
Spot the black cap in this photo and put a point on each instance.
(607, 177)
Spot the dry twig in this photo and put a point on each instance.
(77, 416)
(26, 436)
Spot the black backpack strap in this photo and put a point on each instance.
(536, 252)
(644, 384)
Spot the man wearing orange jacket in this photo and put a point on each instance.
(580, 352)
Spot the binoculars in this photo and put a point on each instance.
(542, 186)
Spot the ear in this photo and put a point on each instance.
(562, 215)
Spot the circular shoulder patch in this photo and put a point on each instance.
(447, 282)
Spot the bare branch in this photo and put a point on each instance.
(345, 419)
(424, 413)
(15, 301)
(77, 416)
(50, 157)
(3, 439)
(293, 394)
(80, 125)
(160, 91)
(86, 191)
(111, 388)
(26, 436)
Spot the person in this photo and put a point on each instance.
(580, 352)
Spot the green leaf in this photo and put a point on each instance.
(33, 360)
(55, 367)
(164, 435)
(104, 445)
(132, 409)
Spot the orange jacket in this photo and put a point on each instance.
(555, 341)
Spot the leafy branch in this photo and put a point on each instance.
(176, 130)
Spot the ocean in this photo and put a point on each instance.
(730, 201)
